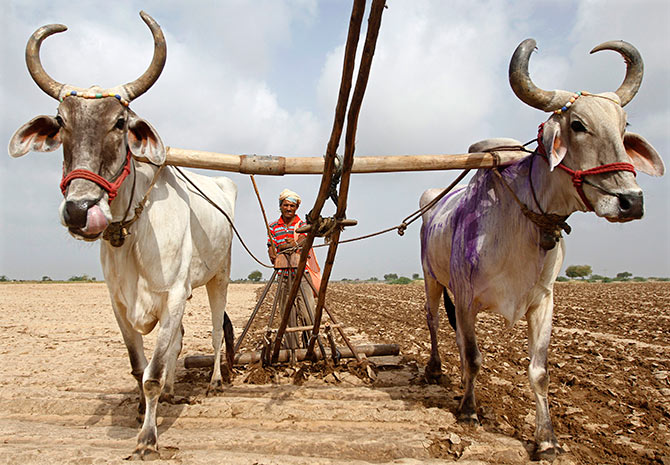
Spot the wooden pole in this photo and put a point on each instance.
(372, 350)
(357, 12)
(265, 218)
(280, 166)
(374, 23)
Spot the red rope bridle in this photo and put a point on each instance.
(112, 187)
(578, 175)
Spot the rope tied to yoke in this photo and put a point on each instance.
(550, 224)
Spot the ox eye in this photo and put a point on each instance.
(59, 120)
(120, 123)
(577, 126)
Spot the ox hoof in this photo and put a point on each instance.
(173, 400)
(468, 419)
(145, 454)
(548, 453)
(433, 374)
(215, 387)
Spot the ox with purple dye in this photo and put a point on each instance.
(485, 247)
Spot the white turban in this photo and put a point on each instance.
(289, 195)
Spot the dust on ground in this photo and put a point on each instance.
(67, 395)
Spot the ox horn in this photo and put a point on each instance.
(634, 68)
(523, 86)
(144, 82)
(50, 86)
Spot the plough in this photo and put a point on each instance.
(276, 347)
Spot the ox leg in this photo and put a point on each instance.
(471, 360)
(539, 335)
(434, 291)
(155, 374)
(167, 395)
(217, 292)
(135, 347)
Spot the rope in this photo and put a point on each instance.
(117, 232)
(550, 224)
(112, 187)
(335, 179)
(411, 218)
(578, 175)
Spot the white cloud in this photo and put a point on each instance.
(438, 83)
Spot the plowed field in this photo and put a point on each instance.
(67, 395)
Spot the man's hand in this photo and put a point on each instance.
(272, 253)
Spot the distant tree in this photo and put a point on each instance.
(639, 279)
(416, 276)
(373, 279)
(255, 276)
(390, 277)
(4, 278)
(401, 280)
(624, 275)
(578, 271)
(46, 278)
(561, 279)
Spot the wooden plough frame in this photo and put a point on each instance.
(279, 166)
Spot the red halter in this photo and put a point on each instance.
(111, 187)
(578, 175)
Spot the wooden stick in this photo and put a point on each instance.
(280, 166)
(293, 329)
(265, 218)
(372, 350)
(374, 23)
(357, 12)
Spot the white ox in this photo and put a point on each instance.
(477, 243)
(179, 241)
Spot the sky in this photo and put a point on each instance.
(262, 77)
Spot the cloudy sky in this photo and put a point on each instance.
(261, 77)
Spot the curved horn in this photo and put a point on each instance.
(41, 78)
(634, 68)
(144, 82)
(523, 86)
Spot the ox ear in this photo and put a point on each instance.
(40, 134)
(143, 141)
(643, 155)
(553, 144)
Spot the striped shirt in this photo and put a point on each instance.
(280, 232)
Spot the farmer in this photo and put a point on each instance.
(285, 240)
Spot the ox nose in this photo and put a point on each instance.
(76, 211)
(631, 205)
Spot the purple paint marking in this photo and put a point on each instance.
(428, 226)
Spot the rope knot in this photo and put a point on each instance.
(401, 228)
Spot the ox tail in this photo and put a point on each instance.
(228, 337)
(451, 309)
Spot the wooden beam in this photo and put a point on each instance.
(280, 166)
(370, 350)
